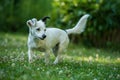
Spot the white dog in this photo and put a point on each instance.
(50, 39)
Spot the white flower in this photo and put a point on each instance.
(61, 71)
(95, 79)
(13, 64)
(38, 69)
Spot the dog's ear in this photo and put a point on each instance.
(45, 18)
(31, 22)
(28, 23)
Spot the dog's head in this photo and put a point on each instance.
(38, 28)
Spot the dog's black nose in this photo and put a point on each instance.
(43, 36)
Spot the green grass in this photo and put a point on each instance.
(79, 63)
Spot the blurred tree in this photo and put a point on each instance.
(103, 26)
(15, 13)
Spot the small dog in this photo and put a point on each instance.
(50, 39)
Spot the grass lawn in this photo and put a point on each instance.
(79, 62)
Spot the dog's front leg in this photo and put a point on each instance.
(47, 55)
(30, 52)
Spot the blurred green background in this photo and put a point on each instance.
(103, 27)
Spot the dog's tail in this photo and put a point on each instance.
(79, 28)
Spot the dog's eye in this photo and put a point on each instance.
(38, 29)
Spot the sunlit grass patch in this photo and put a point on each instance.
(79, 62)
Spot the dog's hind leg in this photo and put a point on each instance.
(55, 49)
(62, 46)
(58, 57)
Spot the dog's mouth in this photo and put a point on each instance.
(41, 38)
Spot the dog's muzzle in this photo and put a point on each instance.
(43, 37)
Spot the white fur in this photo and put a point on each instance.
(80, 27)
(46, 39)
